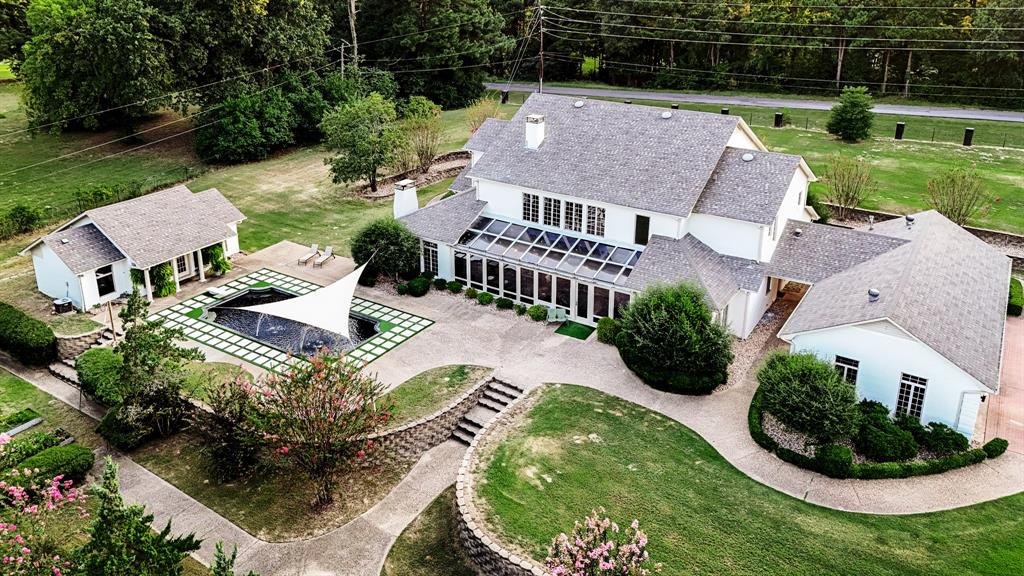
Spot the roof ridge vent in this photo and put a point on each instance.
(666, 115)
(873, 295)
(798, 232)
(747, 157)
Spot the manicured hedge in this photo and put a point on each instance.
(99, 372)
(504, 304)
(25, 446)
(419, 286)
(537, 312)
(485, 298)
(830, 460)
(520, 309)
(471, 293)
(17, 419)
(73, 461)
(455, 287)
(27, 339)
(440, 284)
(1015, 304)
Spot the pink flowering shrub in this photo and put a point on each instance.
(24, 513)
(595, 548)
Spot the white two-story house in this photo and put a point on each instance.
(579, 204)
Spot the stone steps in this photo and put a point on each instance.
(63, 371)
(495, 398)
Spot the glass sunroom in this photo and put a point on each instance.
(531, 266)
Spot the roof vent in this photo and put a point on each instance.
(910, 221)
(65, 241)
(798, 232)
(577, 104)
(666, 115)
(873, 295)
(747, 157)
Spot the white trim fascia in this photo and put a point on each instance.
(742, 124)
(63, 226)
(807, 170)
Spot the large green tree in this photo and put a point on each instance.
(94, 59)
(365, 136)
(437, 49)
(14, 30)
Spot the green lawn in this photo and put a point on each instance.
(429, 545)
(5, 71)
(202, 375)
(578, 449)
(575, 330)
(429, 391)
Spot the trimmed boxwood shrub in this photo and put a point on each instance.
(27, 339)
(607, 329)
(440, 284)
(471, 293)
(99, 374)
(882, 441)
(25, 446)
(520, 309)
(668, 338)
(537, 312)
(834, 460)
(503, 304)
(455, 287)
(485, 299)
(942, 439)
(1015, 304)
(808, 395)
(73, 461)
(419, 286)
(402, 289)
(995, 447)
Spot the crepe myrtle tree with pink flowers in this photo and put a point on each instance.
(25, 512)
(317, 417)
(596, 548)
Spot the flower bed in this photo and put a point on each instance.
(772, 436)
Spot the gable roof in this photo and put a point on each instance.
(446, 220)
(668, 261)
(610, 152)
(154, 228)
(821, 250)
(945, 287)
(752, 190)
(83, 248)
(486, 134)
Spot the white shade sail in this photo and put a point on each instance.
(326, 308)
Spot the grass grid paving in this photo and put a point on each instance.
(396, 326)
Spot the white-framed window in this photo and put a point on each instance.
(182, 264)
(105, 280)
(847, 368)
(429, 257)
(552, 212)
(595, 221)
(531, 208)
(574, 216)
(910, 399)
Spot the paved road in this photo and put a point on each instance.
(897, 109)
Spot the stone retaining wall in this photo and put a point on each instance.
(409, 441)
(487, 556)
(70, 347)
(385, 186)
(1011, 244)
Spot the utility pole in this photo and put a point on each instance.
(540, 14)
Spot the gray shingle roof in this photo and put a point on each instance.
(83, 248)
(486, 134)
(462, 183)
(609, 152)
(945, 287)
(446, 220)
(821, 251)
(669, 261)
(751, 191)
(157, 227)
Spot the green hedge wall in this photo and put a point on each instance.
(99, 373)
(1016, 302)
(26, 338)
(73, 461)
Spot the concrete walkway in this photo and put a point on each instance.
(1005, 417)
(761, 102)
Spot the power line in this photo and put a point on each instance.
(820, 7)
(566, 29)
(522, 50)
(802, 24)
(788, 36)
(440, 56)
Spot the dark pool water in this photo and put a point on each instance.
(287, 335)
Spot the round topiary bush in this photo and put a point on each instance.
(397, 250)
(471, 293)
(419, 286)
(808, 395)
(402, 289)
(440, 284)
(484, 298)
(520, 309)
(503, 304)
(669, 339)
(537, 312)
(73, 461)
(99, 374)
(455, 287)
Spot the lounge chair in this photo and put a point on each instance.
(328, 254)
(314, 250)
(556, 315)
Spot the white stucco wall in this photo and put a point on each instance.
(505, 201)
(885, 352)
(727, 236)
(792, 208)
(744, 139)
(122, 284)
(231, 243)
(53, 277)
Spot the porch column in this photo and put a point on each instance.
(174, 273)
(149, 286)
(202, 266)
